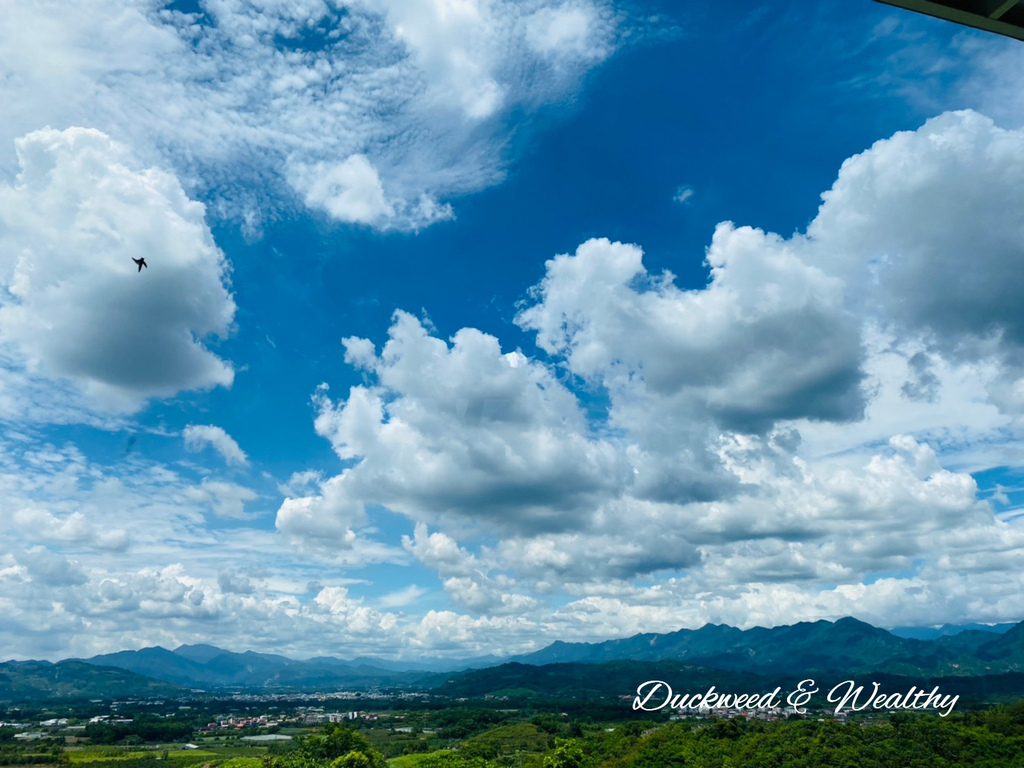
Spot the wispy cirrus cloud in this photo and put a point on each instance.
(371, 112)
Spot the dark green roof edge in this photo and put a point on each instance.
(967, 18)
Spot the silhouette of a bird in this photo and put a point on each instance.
(141, 262)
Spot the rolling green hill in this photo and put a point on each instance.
(35, 680)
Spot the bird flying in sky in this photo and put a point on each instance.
(141, 262)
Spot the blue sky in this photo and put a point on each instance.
(470, 325)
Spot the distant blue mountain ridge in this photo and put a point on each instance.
(948, 630)
(844, 645)
(207, 667)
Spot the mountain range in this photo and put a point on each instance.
(206, 667)
(847, 646)
(930, 633)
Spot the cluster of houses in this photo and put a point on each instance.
(233, 722)
(302, 716)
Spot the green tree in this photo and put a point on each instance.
(547, 722)
(451, 759)
(354, 759)
(568, 753)
(335, 741)
(636, 727)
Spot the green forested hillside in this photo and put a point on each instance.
(592, 682)
(26, 680)
(990, 739)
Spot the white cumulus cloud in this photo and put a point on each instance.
(74, 307)
(462, 431)
(198, 436)
(885, 332)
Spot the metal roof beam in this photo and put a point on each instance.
(998, 12)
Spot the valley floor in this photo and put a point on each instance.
(482, 735)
